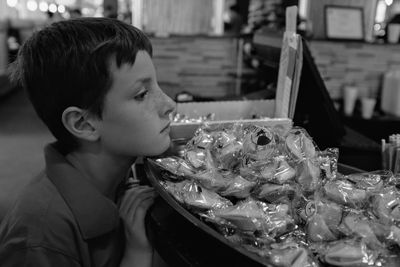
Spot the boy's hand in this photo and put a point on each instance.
(134, 204)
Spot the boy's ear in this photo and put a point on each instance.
(80, 125)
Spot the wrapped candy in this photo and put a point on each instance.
(197, 150)
(275, 193)
(308, 175)
(386, 205)
(328, 160)
(247, 215)
(276, 170)
(323, 220)
(194, 196)
(370, 181)
(300, 145)
(291, 255)
(259, 143)
(347, 252)
(360, 226)
(250, 215)
(284, 173)
(177, 167)
(238, 187)
(226, 150)
(211, 179)
(183, 118)
(345, 192)
(286, 254)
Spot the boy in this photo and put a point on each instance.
(93, 83)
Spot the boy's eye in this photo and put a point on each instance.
(142, 94)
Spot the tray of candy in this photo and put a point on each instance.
(201, 244)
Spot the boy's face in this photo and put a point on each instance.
(135, 119)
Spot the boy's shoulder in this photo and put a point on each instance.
(41, 200)
(39, 218)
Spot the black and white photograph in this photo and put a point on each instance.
(199, 133)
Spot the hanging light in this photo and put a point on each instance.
(53, 8)
(12, 3)
(32, 5)
(389, 2)
(43, 6)
(61, 9)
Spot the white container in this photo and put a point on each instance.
(367, 107)
(350, 98)
(390, 98)
(393, 33)
(227, 112)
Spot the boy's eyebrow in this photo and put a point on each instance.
(143, 80)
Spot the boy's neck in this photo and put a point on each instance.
(104, 171)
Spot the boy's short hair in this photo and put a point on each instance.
(68, 64)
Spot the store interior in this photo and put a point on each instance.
(218, 50)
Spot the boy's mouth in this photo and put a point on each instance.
(165, 128)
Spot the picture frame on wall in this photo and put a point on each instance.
(344, 23)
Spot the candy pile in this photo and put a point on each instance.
(276, 194)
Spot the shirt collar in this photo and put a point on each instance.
(94, 213)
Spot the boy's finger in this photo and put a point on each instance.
(140, 213)
(131, 204)
(128, 203)
(132, 192)
(130, 212)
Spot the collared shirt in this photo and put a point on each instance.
(61, 219)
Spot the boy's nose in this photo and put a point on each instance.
(169, 106)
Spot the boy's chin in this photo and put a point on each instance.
(163, 150)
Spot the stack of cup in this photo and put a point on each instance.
(393, 33)
(367, 107)
(350, 98)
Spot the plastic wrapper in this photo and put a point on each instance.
(371, 181)
(345, 192)
(308, 175)
(394, 235)
(347, 252)
(259, 143)
(247, 215)
(182, 118)
(284, 173)
(386, 206)
(198, 158)
(253, 242)
(255, 171)
(250, 215)
(291, 257)
(300, 145)
(360, 226)
(177, 167)
(328, 160)
(275, 193)
(197, 150)
(194, 196)
(323, 219)
(297, 236)
(276, 170)
(226, 150)
(238, 187)
(392, 179)
(211, 179)
(287, 254)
